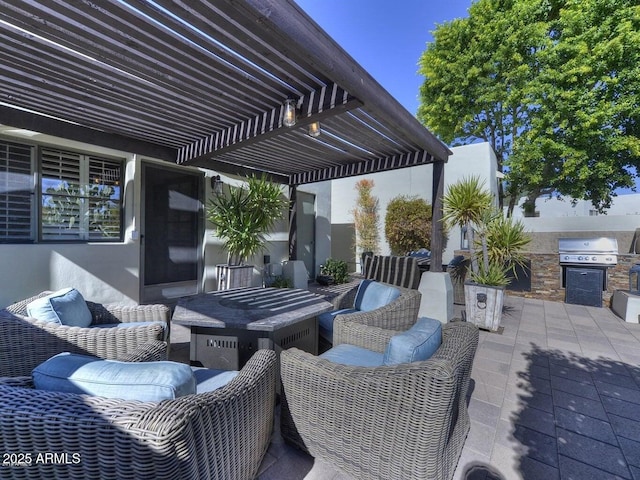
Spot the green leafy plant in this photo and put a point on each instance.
(244, 215)
(408, 224)
(366, 217)
(337, 269)
(281, 282)
(496, 243)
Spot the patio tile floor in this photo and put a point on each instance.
(556, 395)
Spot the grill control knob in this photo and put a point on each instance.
(566, 257)
(594, 258)
(580, 258)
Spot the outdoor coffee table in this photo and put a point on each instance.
(227, 327)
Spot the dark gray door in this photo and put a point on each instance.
(171, 240)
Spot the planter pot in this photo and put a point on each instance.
(234, 276)
(325, 280)
(484, 305)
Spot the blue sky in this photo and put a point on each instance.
(386, 37)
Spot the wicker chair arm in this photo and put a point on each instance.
(117, 313)
(20, 308)
(26, 382)
(372, 338)
(26, 342)
(394, 419)
(147, 352)
(345, 299)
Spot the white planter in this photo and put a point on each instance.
(234, 276)
(484, 305)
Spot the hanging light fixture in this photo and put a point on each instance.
(289, 116)
(314, 129)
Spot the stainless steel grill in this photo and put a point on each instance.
(601, 251)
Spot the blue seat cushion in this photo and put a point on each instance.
(144, 381)
(416, 344)
(372, 295)
(346, 354)
(64, 307)
(208, 380)
(325, 322)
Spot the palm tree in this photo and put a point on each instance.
(245, 215)
(464, 205)
(501, 240)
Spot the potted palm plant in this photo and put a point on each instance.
(243, 216)
(496, 246)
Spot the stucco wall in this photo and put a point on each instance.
(101, 272)
(545, 231)
(477, 159)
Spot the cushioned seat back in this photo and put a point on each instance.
(144, 381)
(400, 271)
(372, 295)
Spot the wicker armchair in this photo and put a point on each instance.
(26, 342)
(400, 314)
(222, 434)
(405, 421)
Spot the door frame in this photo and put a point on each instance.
(169, 292)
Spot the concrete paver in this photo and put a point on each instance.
(555, 396)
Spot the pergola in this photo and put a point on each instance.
(204, 83)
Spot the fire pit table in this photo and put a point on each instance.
(228, 326)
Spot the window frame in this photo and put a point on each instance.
(37, 227)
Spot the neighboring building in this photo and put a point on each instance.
(549, 206)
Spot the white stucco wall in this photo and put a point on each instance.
(111, 272)
(555, 207)
(102, 272)
(477, 159)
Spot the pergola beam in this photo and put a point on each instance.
(365, 167)
(286, 25)
(322, 103)
(72, 131)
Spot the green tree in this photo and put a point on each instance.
(584, 137)
(366, 217)
(552, 85)
(407, 224)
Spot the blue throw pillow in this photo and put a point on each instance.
(372, 295)
(416, 344)
(144, 381)
(64, 307)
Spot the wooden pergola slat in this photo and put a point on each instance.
(202, 83)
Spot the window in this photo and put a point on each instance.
(16, 193)
(80, 196)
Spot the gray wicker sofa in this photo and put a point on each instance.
(407, 421)
(26, 342)
(222, 434)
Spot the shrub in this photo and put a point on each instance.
(338, 269)
(407, 225)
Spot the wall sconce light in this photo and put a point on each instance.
(289, 116)
(216, 184)
(314, 129)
